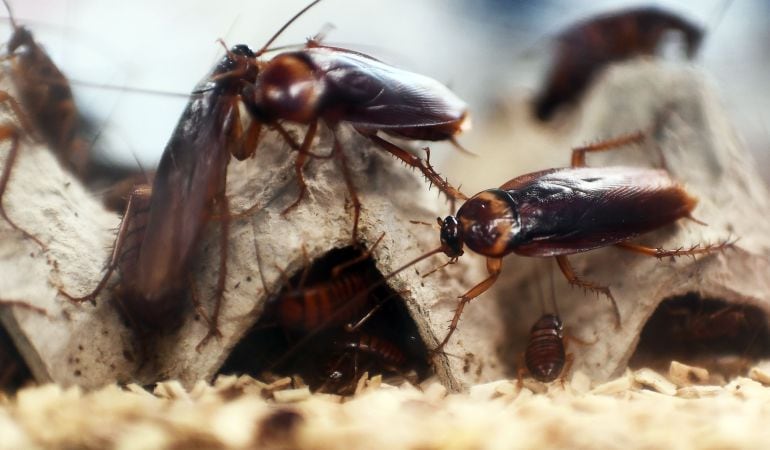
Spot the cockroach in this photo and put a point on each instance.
(586, 48)
(46, 108)
(545, 355)
(562, 211)
(330, 298)
(363, 352)
(305, 326)
(336, 86)
(189, 184)
(707, 332)
(46, 97)
(162, 224)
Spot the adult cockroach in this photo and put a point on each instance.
(331, 298)
(558, 212)
(336, 86)
(161, 226)
(584, 49)
(46, 97)
(190, 180)
(352, 354)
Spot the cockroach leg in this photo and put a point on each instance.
(660, 253)
(462, 149)
(574, 280)
(579, 154)
(138, 203)
(285, 135)
(494, 266)
(25, 305)
(224, 237)
(339, 153)
(299, 164)
(12, 133)
(413, 161)
(569, 359)
(366, 254)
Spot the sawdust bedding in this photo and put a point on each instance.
(641, 409)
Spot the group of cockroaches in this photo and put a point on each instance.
(550, 213)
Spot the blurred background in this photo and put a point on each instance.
(492, 53)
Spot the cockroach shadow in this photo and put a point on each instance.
(305, 329)
(724, 337)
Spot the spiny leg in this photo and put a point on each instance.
(413, 161)
(343, 162)
(24, 305)
(579, 154)
(299, 164)
(494, 265)
(223, 205)
(339, 268)
(138, 202)
(574, 280)
(8, 131)
(696, 249)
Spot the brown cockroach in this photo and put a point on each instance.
(46, 97)
(162, 224)
(545, 355)
(363, 352)
(336, 86)
(707, 332)
(189, 185)
(306, 326)
(330, 298)
(562, 211)
(584, 49)
(711, 325)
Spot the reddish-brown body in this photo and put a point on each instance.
(46, 98)
(584, 49)
(385, 351)
(326, 304)
(545, 355)
(336, 86)
(339, 85)
(558, 212)
(162, 225)
(572, 210)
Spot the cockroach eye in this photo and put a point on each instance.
(451, 237)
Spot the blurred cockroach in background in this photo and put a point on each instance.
(306, 327)
(587, 47)
(707, 332)
(562, 211)
(47, 112)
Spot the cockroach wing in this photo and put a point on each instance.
(372, 95)
(578, 209)
(189, 176)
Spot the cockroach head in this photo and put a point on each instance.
(243, 50)
(451, 237)
(21, 36)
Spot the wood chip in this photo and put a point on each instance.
(684, 375)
